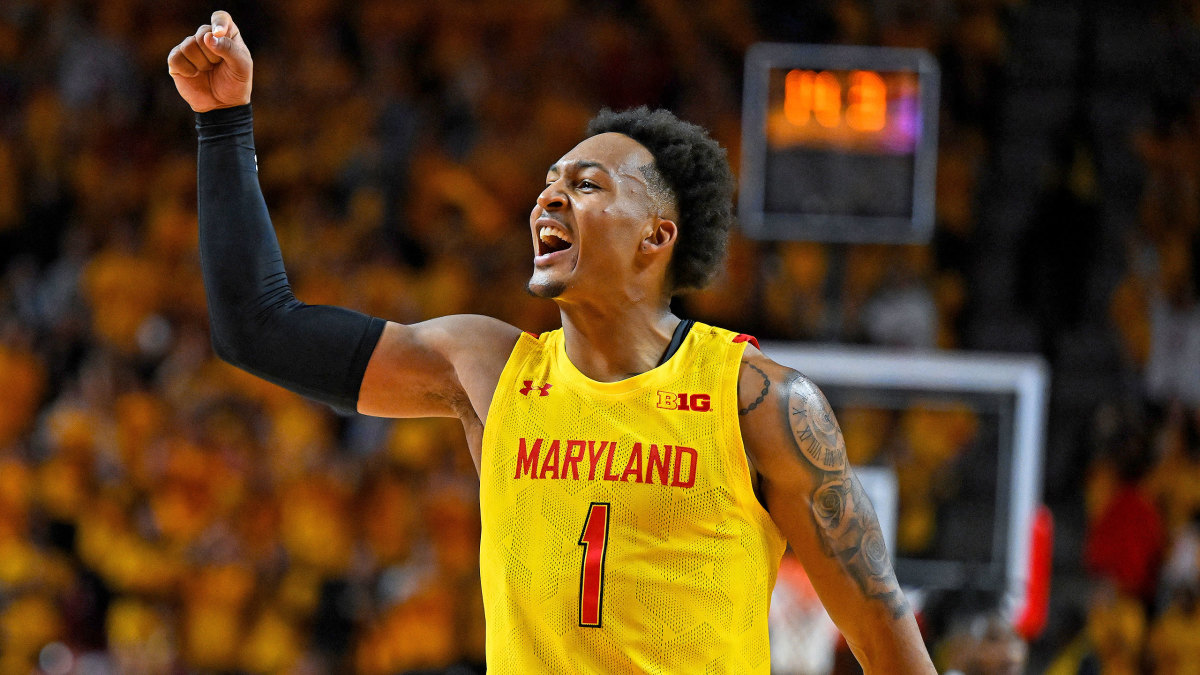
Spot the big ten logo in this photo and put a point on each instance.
(695, 402)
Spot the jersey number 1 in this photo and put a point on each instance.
(594, 540)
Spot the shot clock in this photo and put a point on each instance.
(838, 143)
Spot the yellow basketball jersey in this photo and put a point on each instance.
(621, 533)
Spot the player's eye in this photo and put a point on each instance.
(587, 185)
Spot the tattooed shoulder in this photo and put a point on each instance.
(816, 433)
(762, 395)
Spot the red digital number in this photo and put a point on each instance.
(594, 540)
(808, 94)
(867, 110)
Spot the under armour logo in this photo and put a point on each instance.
(543, 390)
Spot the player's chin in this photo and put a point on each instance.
(553, 273)
(541, 285)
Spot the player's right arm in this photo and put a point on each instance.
(446, 367)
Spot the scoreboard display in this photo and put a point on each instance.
(838, 143)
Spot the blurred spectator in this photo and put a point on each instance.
(1112, 640)
(24, 380)
(1175, 480)
(1174, 644)
(1125, 536)
(902, 313)
(1160, 293)
(985, 644)
(1181, 571)
(1061, 243)
(1173, 369)
(1116, 629)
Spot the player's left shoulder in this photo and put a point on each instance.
(779, 410)
(761, 381)
(761, 378)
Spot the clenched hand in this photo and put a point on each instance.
(213, 69)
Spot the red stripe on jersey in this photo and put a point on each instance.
(742, 337)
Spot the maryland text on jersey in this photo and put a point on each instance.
(673, 465)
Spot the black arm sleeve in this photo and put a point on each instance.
(257, 324)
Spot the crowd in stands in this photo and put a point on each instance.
(162, 512)
(1142, 489)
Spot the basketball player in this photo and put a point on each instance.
(640, 475)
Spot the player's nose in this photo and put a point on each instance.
(551, 198)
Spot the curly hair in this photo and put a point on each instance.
(693, 171)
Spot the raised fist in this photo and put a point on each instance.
(213, 69)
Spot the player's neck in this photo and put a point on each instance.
(615, 341)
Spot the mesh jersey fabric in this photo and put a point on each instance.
(620, 531)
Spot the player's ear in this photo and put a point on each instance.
(661, 237)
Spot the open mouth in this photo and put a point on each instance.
(552, 240)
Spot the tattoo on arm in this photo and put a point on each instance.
(762, 395)
(845, 520)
